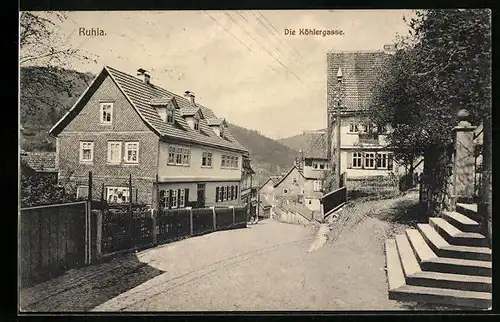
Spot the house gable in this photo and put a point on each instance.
(287, 179)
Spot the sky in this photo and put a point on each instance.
(241, 64)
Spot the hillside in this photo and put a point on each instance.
(296, 142)
(47, 94)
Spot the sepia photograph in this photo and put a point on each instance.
(255, 161)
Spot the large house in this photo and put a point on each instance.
(363, 144)
(176, 151)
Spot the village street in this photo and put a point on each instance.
(269, 266)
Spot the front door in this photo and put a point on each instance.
(201, 195)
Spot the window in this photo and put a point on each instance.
(382, 159)
(106, 113)
(114, 151)
(132, 152)
(228, 161)
(182, 198)
(82, 191)
(224, 193)
(356, 160)
(285, 190)
(353, 127)
(117, 194)
(235, 192)
(322, 166)
(294, 181)
(221, 194)
(232, 192)
(222, 128)
(206, 159)
(315, 165)
(196, 124)
(370, 160)
(174, 198)
(216, 194)
(86, 151)
(170, 116)
(317, 185)
(228, 193)
(178, 155)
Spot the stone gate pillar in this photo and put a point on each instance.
(464, 161)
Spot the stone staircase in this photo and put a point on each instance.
(446, 261)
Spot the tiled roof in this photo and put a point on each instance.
(40, 161)
(359, 71)
(158, 101)
(316, 145)
(214, 121)
(287, 174)
(188, 111)
(140, 94)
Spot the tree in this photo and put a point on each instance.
(443, 66)
(41, 44)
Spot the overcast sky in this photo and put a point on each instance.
(207, 54)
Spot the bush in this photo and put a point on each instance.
(37, 190)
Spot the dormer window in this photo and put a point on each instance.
(222, 130)
(196, 124)
(170, 116)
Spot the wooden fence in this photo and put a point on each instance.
(124, 230)
(52, 239)
(333, 200)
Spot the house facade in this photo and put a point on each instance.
(291, 186)
(314, 166)
(363, 145)
(176, 152)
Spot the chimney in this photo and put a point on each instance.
(390, 49)
(144, 75)
(191, 96)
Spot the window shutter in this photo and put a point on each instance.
(186, 196)
(349, 160)
(134, 195)
(389, 161)
(170, 193)
(216, 194)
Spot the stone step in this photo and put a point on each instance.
(468, 299)
(443, 249)
(469, 210)
(455, 236)
(429, 262)
(399, 290)
(462, 222)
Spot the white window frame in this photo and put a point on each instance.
(170, 117)
(125, 192)
(384, 158)
(91, 148)
(229, 162)
(317, 185)
(181, 155)
(103, 106)
(357, 156)
(174, 198)
(182, 199)
(78, 189)
(127, 149)
(118, 160)
(207, 157)
(370, 156)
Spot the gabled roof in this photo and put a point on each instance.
(359, 71)
(160, 101)
(40, 161)
(316, 145)
(140, 95)
(287, 174)
(189, 111)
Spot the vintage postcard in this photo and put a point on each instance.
(255, 160)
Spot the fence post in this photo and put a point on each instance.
(98, 242)
(234, 216)
(155, 230)
(190, 220)
(214, 218)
